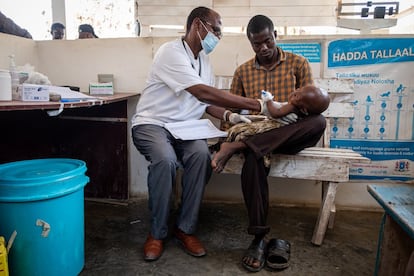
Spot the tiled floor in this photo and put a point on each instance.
(115, 234)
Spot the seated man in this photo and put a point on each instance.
(305, 102)
(178, 90)
(280, 72)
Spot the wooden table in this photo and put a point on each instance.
(20, 105)
(396, 241)
(94, 131)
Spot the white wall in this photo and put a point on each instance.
(238, 12)
(77, 62)
(24, 50)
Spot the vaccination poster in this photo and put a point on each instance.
(383, 126)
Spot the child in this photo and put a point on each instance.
(304, 101)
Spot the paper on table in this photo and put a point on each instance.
(68, 95)
(195, 129)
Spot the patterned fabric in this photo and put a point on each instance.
(290, 72)
(240, 131)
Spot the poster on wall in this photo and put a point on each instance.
(383, 126)
(311, 51)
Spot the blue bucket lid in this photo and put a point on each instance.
(40, 179)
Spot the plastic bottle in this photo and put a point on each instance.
(5, 87)
(14, 75)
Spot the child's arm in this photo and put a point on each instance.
(276, 109)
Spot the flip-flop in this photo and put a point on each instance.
(257, 251)
(278, 254)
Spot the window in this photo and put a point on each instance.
(34, 16)
(108, 17)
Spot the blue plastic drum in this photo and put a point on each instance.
(43, 201)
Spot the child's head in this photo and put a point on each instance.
(310, 99)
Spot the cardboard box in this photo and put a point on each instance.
(97, 89)
(102, 78)
(31, 92)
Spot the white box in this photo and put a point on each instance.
(106, 88)
(31, 92)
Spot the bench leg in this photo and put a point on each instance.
(332, 214)
(328, 202)
(332, 217)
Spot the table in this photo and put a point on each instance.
(94, 131)
(396, 241)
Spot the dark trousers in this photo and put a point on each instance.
(288, 139)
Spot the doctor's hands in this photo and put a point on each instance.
(235, 118)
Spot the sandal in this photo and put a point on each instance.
(256, 251)
(278, 254)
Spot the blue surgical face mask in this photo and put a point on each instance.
(209, 42)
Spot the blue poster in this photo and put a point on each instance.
(370, 51)
(311, 51)
(383, 126)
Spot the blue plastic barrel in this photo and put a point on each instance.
(43, 201)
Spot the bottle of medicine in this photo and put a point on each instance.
(5, 86)
(14, 75)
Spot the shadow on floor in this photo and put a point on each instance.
(115, 234)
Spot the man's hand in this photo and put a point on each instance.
(288, 119)
(236, 118)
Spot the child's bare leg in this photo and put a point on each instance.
(227, 149)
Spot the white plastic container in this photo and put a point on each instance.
(5, 86)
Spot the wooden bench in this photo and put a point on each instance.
(321, 163)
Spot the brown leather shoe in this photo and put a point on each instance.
(152, 249)
(190, 243)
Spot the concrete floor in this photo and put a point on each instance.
(115, 234)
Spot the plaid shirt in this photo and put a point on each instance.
(289, 73)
